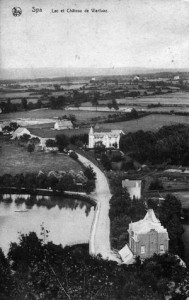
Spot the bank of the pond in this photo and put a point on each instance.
(47, 192)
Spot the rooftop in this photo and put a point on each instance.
(131, 183)
(150, 222)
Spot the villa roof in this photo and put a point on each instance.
(99, 133)
(112, 133)
(147, 224)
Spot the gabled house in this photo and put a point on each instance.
(63, 124)
(146, 237)
(20, 131)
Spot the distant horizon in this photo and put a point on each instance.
(50, 72)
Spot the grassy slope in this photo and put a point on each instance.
(15, 159)
(53, 113)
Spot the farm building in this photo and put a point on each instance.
(146, 237)
(107, 138)
(63, 124)
(133, 188)
(20, 131)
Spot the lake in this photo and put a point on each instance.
(69, 221)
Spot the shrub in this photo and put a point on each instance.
(30, 147)
(73, 155)
(156, 185)
(51, 143)
(89, 173)
(62, 141)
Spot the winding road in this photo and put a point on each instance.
(100, 231)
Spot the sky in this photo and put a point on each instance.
(132, 33)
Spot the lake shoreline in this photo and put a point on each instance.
(46, 192)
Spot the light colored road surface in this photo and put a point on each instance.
(100, 231)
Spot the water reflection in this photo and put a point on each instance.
(46, 201)
(68, 220)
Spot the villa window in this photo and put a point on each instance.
(162, 248)
(142, 249)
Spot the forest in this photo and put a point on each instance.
(170, 145)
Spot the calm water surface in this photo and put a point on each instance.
(68, 222)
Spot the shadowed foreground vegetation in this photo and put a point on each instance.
(35, 269)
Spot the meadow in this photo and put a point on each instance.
(149, 123)
(15, 159)
(181, 98)
(53, 114)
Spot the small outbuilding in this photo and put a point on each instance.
(63, 124)
(133, 187)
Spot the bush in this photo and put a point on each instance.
(73, 155)
(30, 147)
(156, 185)
(51, 143)
(89, 173)
(25, 137)
(62, 141)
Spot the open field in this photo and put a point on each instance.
(15, 159)
(170, 98)
(148, 123)
(53, 113)
(49, 133)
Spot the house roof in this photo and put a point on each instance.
(101, 134)
(126, 255)
(64, 123)
(130, 183)
(147, 224)
(20, 130)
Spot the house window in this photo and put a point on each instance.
(142, 250)
(162, 248)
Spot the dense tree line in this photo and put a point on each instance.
(79, 140)
(25, 104)
(169, 214)
(122, 211)
(169, 144)
(66, 181)
(62, 140)
(36, 269)
(57, 102)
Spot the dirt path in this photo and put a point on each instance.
(100, 232)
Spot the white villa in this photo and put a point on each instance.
(133, 188)
(146, 237)
(107, 138)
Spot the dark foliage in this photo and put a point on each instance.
(62, 141)
(89, 173)
(47, 271)
(156, 185)
(73, 155)
(169, 144)
(82, 138)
